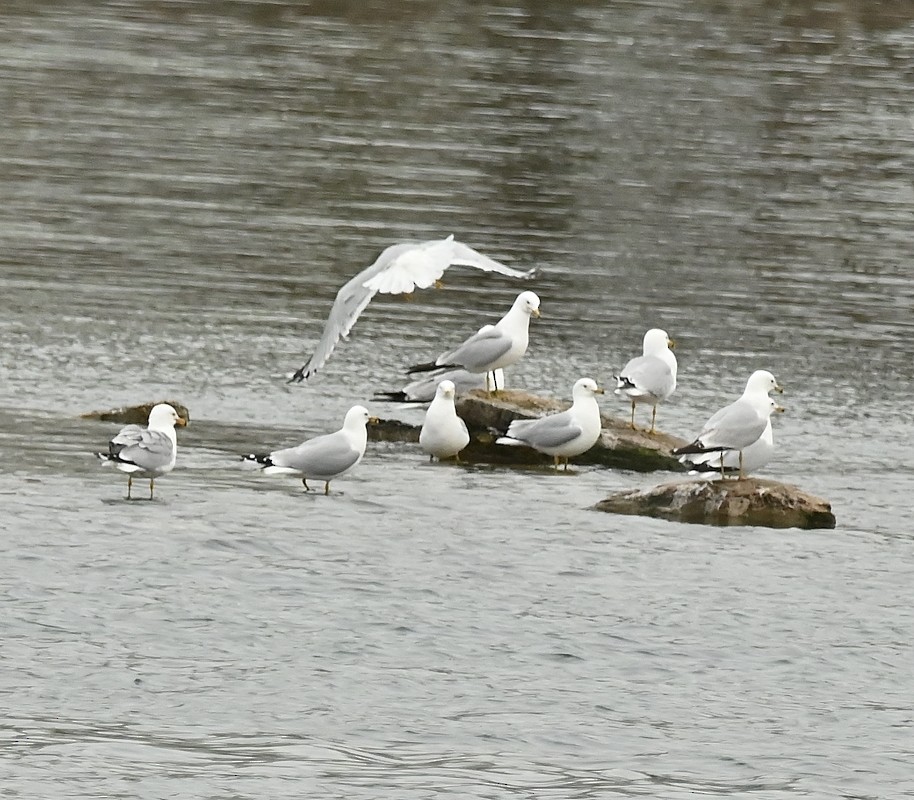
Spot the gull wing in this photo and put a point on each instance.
(465, 256)
(647, 375)
(149, 450)
(483, 347)
(321, 457)
(735, 426)
(552, 431)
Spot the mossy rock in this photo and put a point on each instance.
(135, 415)
(619, 446)
(751, 501)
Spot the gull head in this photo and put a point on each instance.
(656, 340)
(446, 389)
(529, 303)
(775, 408)
(585, 387)
(762, 381)
(163, 416)
(358, 417)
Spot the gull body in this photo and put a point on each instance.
(726, 462)
(146, 452)
(739, 424)
(399, 269)
(493, 346)
(650, 377)
(563, 435)
(443, 433)
(324, 457)
(423, 389)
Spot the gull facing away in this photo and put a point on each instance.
(400, 269)
(443, 433)
(423, 389)
(726, 462)
(739, 424)
(651, 377)
(493, 346)
(323, 458)
(563, 435)
(146, 452)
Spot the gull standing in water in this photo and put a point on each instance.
(323, 458)
(563, 435)
(739, 424)
(493, 346)
(146, 452)
(400, 269)
(443, 433)
(651, 377)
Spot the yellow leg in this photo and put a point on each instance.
(305, 482)
(633, 416)
(129, 485)
(327, 488)
(741, 473)
(653, 419)
(151, 487)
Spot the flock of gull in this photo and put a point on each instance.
(736, 440)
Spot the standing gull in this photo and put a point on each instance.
(443, 433)
(400, 269)
(726, 462)
(739, 424)
(651, 377)
(493, 346)
(563, 435)
(146, 452)
(323, 457)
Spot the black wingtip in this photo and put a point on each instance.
(431, 366)
(260, 458)
(392, 397)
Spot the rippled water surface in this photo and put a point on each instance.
(185, 186)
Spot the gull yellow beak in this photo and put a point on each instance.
(536, 312)
(181, 422)
(374, 420)
(670, 343)
(778, 388)
(779, 409)
(599, 390)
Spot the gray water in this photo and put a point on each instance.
(184, 187)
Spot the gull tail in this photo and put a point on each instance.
(431, 366)
(697, 447)
(261, 459)
(393, 397)
(623, 383)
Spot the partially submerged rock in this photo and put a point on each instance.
(135, 415)
(619, 446)
(751, 501)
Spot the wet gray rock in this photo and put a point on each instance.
(619, 446)
(751, 501)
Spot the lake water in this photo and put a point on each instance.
(184, 187)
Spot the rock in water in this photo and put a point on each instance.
(135, 415)
(751, 501)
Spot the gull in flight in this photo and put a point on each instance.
(739, 424)
(323, 458)
(146, 452)
(400, 269)
(563, 435)
(651, 377)
(493, 346)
